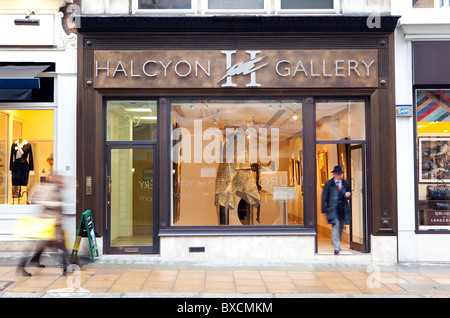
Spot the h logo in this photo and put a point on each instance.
(243, 68)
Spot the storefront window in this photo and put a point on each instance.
(306, 4)
(340, 119)
(164, 4)
(237, 162)
(26, 153)
(433, 139)
(131, 120)
(235, 4)
(423, 3)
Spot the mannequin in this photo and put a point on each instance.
(235, 180)
(21, 163)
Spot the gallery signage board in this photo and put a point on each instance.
(235, 68)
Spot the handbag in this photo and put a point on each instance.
(35, 228)
(438, 192)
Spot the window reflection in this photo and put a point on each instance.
(237, 162)
(423, 3)
(235, 4)
(164, 4)
(306, 4)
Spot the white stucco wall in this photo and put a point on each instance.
(62, 51)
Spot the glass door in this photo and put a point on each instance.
(341, 145)
(358, 231)
(130, 200)
(131, 173)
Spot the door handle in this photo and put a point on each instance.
(108, 185)
(108, 199)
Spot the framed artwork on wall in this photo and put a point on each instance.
(322, 164)
(434, 159)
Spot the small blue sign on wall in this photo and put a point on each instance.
(404, 110)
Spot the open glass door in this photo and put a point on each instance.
(358, 228)
(341, 141)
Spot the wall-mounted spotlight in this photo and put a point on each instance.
(27, 20)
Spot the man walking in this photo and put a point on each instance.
(335, 195)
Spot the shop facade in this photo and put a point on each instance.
(423, 42)
(37, 111)
(212, 136)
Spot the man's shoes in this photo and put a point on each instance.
(336, 252)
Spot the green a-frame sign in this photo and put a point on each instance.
(85, 228)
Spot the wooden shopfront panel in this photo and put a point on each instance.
(244, 68)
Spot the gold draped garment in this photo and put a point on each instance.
(236, 179)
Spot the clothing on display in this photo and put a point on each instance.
(236, 179)
(21, 162)
(232, 183)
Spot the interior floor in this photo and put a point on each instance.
(325, 246)
(133, 240)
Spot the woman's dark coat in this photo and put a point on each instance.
(334, 203)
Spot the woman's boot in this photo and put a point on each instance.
(21, 268)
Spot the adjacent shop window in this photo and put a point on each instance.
(430, 3)
(423, 3)
(236, 4)
(237, 162)
(164, 4)
(131, 120)
(306, 4)
(26, 154)
(433, 141)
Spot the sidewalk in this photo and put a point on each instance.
(150, 276)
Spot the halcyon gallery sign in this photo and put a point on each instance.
(235, 69)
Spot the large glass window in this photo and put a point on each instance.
(433, 139)
(237, 162)
(236, 4)
(430, 3)
(164, 4)
(423, 3)
(306, 4)
(26, 153)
